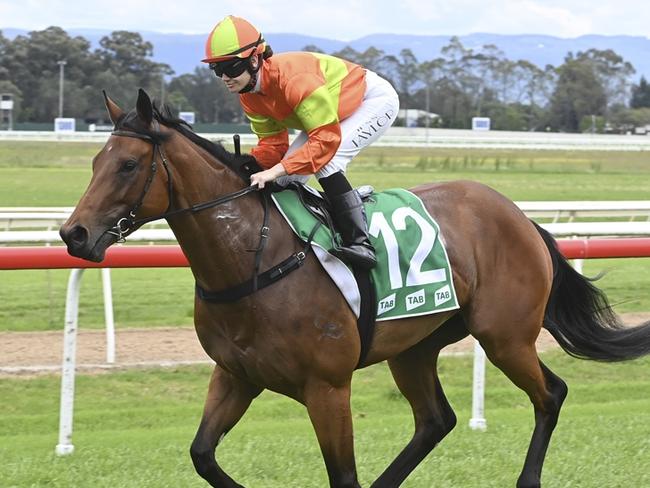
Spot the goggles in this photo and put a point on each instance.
(232, 69)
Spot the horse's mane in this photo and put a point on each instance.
(131, 121)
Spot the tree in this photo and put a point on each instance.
(4, 44)
(126, 53)
(486, 68)
(578, 93)
(612, 71)
(455, 93)
(311, 48)
(430, 71)
(31, 63)
(640, 94)
(208, 96)
(349, 54)
(372, 58)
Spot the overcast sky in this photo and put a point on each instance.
(340, 19)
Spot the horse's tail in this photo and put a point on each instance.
(579, 317)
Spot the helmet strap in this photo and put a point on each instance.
(253, 72)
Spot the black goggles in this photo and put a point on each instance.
(232, 69)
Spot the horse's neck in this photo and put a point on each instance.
(216, 241)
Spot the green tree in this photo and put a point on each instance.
(454, 96)
(372, 59)
(208, 96)
(348, 53)
(312, 48)
(578, 93)
(612, 71)
(127, 53)
(4, 44)
(640, 94)
(32, 65)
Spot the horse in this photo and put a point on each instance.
(299, 337)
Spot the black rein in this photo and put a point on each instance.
(126, 225)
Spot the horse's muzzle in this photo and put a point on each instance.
(78, 239)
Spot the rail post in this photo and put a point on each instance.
(108, 315)
(478, 422)
(65, 445)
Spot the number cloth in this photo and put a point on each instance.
(413, 275)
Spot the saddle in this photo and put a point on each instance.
(316, 202)
(318, 205)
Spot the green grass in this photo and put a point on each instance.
(47, 154)
(55, 174)
(153, 297)
(133, 429)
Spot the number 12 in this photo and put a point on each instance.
(415, 276)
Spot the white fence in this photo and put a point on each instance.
(624, 218)
(415, 137)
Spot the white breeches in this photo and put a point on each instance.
(374, 116)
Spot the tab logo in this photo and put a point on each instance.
(442, 295)
(386, 304)
(415, 300)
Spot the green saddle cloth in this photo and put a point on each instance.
(413, 275)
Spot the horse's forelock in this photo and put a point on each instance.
(131, 122)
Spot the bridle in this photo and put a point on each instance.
(126, 225)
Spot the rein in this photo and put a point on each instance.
(126, 225)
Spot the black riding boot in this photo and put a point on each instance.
(350, 220)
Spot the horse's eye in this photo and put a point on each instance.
(129, 165)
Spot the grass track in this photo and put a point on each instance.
(133, 429)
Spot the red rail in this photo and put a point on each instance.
(172, 256)
(116, 257)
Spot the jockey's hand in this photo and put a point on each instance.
(263, 177)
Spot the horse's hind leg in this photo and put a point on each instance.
(228, 399)
(514, 353)
(415, 374)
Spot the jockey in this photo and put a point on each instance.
(339, 107)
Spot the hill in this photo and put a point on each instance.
(183, 52)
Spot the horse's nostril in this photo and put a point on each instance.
(78, 235)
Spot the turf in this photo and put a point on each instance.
(133, 430)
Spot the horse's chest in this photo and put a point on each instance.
(260, 361)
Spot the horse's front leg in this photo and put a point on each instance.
(227, 401)
(329, 411)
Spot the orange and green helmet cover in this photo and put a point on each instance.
(233, 37)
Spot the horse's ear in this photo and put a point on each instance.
(144, 107)
(114, 112)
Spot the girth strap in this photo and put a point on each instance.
(260, 281)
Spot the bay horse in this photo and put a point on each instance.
(299, 337)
